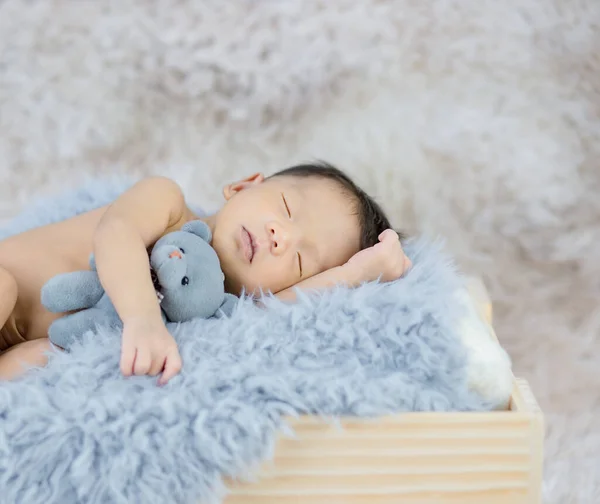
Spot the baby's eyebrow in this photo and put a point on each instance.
(301, 193)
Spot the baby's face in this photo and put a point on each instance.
(274, 233)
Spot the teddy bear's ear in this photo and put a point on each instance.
(199, 228)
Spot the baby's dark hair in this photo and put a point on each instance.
(371, 217)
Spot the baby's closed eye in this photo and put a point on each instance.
(287, 208)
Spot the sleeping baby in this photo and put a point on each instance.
(307, 227)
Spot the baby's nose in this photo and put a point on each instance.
(280, 237)
(175, 253)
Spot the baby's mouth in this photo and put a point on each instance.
(248, 244)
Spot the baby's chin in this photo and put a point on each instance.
(233, 286)
(236, 284)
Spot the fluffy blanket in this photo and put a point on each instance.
(77, 431)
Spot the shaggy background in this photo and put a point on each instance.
(475, 119)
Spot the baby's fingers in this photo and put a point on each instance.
(388, 234)
(172, 366)
(157, 365)
(127, 359)
(143, 361)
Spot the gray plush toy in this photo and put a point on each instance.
(187, 277)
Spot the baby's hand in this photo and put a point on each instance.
(149, 349)
(385, 261)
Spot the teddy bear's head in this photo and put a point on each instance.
(187, 273)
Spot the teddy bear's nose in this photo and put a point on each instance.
(175, 253)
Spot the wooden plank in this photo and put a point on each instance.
(523, 402)
(460, 456)
(486, 419)
(400, 483)
(415, 457)
(506, 496)
(411, 463)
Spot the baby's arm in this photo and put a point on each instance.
(130, 225)
(385, 261)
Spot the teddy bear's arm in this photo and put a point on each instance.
(72, 291)
(67, 330)
(226, 308)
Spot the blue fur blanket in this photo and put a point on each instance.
(77, 431)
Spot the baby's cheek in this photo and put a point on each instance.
(273, 279)
(243, 282)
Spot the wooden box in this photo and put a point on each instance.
(410, 458)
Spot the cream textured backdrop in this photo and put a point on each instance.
(475, 119)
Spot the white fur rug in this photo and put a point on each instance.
(475, 119)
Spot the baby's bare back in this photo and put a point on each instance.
(35, 256)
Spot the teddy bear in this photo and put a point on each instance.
(187, 277)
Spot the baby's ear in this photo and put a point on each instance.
(199, 228)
